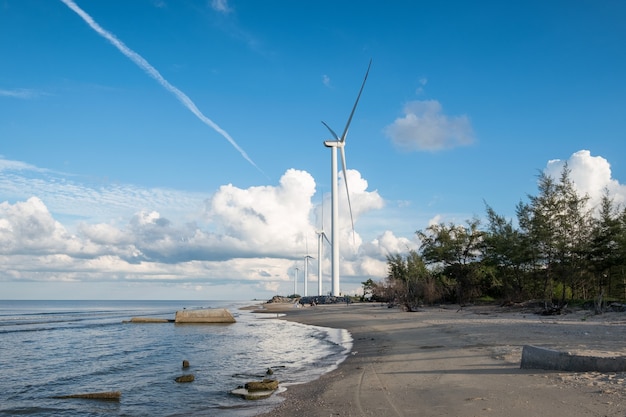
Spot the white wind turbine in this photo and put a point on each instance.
(306, 274)
(340, 143)
(295, 282)
(321, 235)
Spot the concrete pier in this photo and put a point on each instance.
(207, 315)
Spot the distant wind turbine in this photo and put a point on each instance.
(306, 275)
(321, 235)
(295, 282)
(339, 142)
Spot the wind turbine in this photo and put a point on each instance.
(339, 142)
(306, 275)
(321, 235)
(295, 282)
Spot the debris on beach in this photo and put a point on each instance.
(108, 396)
(256, 390)
(185, 378)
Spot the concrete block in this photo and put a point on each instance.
(208, 315)
(541, 358)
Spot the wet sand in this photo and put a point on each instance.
(446, 361)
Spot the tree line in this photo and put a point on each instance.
(560, 249)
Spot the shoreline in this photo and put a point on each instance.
(451, 361)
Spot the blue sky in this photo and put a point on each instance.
(173, 149)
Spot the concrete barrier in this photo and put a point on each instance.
(541, 358)
(208, 315)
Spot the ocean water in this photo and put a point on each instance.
(55, 348)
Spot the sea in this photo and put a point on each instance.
(50, 349)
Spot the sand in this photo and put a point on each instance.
(447, 361)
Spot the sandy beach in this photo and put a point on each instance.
(446, 361)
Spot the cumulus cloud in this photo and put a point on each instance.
(388, 244)
(254, 236)
(424, 126)
(435, 220)
(28, 227)
(591, 175)
(266, 216)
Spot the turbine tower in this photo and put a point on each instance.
(295, 282)
(320, 246)
(321, 235)
(339, 142)
(306, 274)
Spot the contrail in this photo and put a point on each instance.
(151, 71)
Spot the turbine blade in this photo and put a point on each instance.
(345, 181)
(331, 131)
(322, 213)
(345, 131)
(325, 237)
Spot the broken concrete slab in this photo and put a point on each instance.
(206, 315)
(534, 357)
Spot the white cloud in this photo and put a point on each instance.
(22, 93)
(591, 175)
(28, 227)
(326, 80)
(254, 236)
(221, 6)
(388, 244)
(65, 196)
(266, 219)
(435, 220)
(422, 83)
(425, 127)
(8, 165)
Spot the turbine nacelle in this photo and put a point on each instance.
(334, 144)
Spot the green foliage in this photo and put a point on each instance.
(409, 281)
(368, 289)
(559, 289)
(561, 249)
(458, 250)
